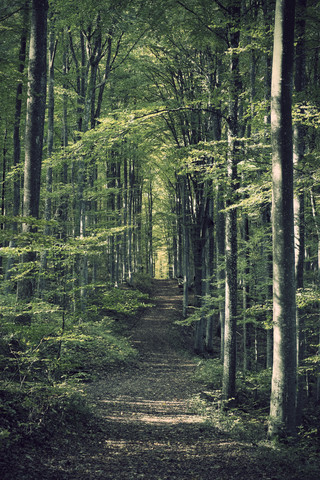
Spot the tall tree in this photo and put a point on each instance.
(298, 156)
(36, 102)
(229, 361)
(283, 395)
(17, 127)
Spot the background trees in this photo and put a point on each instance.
(159, 156)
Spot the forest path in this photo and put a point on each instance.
(143, 428)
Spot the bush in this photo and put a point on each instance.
(44, 360)
(247, 417)
(90, 347)
(210, 373)
(142, 282)
(35, 410)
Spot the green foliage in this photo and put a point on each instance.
(35, 409)
(247, 417)
(46, 353)
(143, 283)
(165, 88)
(210, 372)
(123, 301)
(90, 348)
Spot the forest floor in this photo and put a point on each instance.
(143, 426)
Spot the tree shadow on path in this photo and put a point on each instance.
(143, 427)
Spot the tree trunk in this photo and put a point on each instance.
(186, 246)
(50, 139)
(3, 191)
(247, 327)
(36, 102)
(317, 226)
(229, 362)
(299, 220)
(283, 390)
(267, 15)
(149, 222)
(125, 268)
(16, 134)
(209, 262)
(221, 275)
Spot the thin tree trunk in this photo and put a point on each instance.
(298, 156)
(317, 226)
(186, 246)
(221, 277)
(3, 190)
(209, 264)
(229, 363)
(50, 139)
(149, 232)
(125, 268)
(267, 14)
(247, 327)
(130, 220)
(16, 135)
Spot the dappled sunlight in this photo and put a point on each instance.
(164, 447)
(150, 411)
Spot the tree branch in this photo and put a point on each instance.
(202, 22)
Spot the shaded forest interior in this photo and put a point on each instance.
(157, 417)
(169, 140)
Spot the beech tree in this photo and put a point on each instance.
(283, 393)
(299, 197)
(17, 128)
(229, 359)
(36, 102)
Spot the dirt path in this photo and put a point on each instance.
(144, 428)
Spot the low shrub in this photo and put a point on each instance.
(44, 361)
(210, 373)
(91, 347)
(32, 411)
(142, 282)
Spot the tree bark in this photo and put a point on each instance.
(36, 102)
(299, 220)
(16, 134)
(221, 276)
(3, 190)
(50, 140)
(282, 421)
(229, 361)
(186, 246)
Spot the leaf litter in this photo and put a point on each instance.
(143, 426)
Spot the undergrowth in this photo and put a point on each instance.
(46, 354)
(246, 417)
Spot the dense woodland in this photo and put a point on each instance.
(165, 139)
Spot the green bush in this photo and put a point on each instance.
(33, 410)
(44, 361)
(254, 389)
(210, 373)
(90, 347)
(142, 282)
(247, 417)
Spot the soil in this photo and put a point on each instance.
(143, 426)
